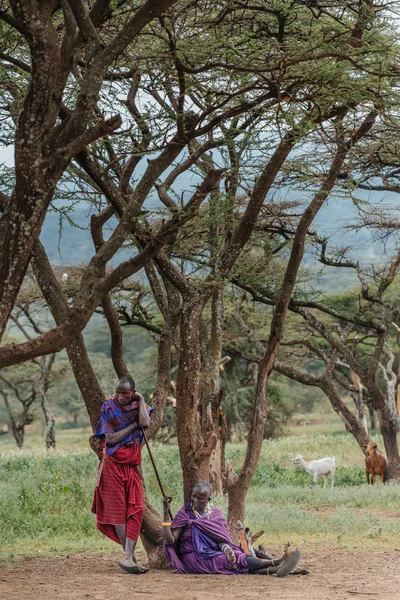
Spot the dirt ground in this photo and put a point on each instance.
(336, 575)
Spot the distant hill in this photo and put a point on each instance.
(72, 245)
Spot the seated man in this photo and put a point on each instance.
(197, 541)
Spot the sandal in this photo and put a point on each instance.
(289, 563)
(133, 569)
(299, 572)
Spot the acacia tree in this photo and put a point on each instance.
(26, 387)
(117, 170)
(162, 131)
(109, 175)
(197, 433)
(346, 342)
(198, 400)
(54, 37)
(347, 338)
(201, 81)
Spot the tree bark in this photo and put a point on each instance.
(151, 536)
(17, 428)
(353, 423)
(167, 341)
(212, 419)
(388, 424)
(50, 424)
(194, 451)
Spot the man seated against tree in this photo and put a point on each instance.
(197, 541)
(119, 497)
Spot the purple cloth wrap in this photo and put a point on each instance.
(113, 418)
(197, 549)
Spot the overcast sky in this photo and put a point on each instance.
(7, 155)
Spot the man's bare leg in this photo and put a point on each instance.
(129, 559)
(129, 563)
(282, 567)
(121, 533)
(261, 564)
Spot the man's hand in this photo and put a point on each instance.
(143, 416)
(230, 555)
(166, 510)
(118, 436)
(167, 501)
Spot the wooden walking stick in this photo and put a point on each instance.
(155, 471)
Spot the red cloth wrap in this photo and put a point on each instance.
(119, 497)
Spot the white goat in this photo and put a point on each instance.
(321, 466)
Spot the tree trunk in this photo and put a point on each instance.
(115, 328)
(236, 508)
(24, 214)
(217, 457)
(237, 491)
(151, 536)
(194, 451)
(171, 313)
(50, 433)
(372, 416)
(359, 400)
(234, 425)
(388, 424)
(18, 434)
(50, 424)
(17, 429)
(86, 379)
(353, 423)
(17, 243)
(212, 418)
(389, 435)
(398, 389)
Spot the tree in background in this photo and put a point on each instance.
(51, 127)
(31, 384)
(27, 386)
(199, 440)
(24, 394)
(230, 93)
(341, 341)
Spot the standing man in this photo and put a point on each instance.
(119, 498)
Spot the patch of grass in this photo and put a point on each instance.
(45, 497)
(359, 517)
(67, 438)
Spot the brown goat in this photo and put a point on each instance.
(375, 463)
